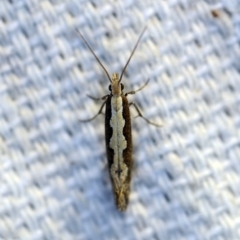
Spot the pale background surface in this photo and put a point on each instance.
(54, 182)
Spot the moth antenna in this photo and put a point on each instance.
(85, 41)
(144, 29)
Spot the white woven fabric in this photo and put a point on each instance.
(54, 182)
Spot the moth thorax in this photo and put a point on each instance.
(116, 86)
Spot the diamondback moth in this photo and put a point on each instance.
(118, 133)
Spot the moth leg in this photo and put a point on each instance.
(133, 92)
(140, 115)
(97, 99)
(99, 112)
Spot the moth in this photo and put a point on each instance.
(118, 133)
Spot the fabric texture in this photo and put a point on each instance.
(54, 181)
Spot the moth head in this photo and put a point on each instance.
(116, 86)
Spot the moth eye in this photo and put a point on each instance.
(110, 88)
(122, 86)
